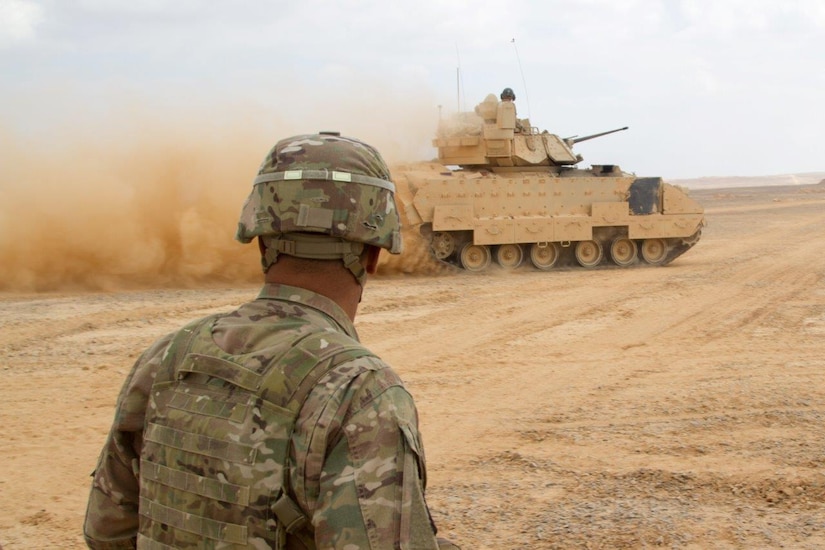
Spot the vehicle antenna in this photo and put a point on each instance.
(457, 90)
(459, 81)
(523, 82)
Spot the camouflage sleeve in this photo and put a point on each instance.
(371, 480)
(112, 512)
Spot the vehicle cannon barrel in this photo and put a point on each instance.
(573, 140)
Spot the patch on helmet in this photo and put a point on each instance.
(309, 216)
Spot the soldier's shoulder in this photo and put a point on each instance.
(362, 379)
(366, 362)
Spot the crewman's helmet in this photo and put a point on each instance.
(322, 196)
(507, 93)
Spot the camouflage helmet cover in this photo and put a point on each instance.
(323, 184)
(507, 93)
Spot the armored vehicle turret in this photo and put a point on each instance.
(503, 190)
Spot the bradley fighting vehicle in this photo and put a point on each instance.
(504, 191)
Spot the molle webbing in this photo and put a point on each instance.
(200, 390)
(200, 485)
(209, 528)
(200, 444)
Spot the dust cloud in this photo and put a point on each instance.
(139, 198)
(416, 258)
(150, 207)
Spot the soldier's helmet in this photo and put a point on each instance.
(322, 196)
(507, 93)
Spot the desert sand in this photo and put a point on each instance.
(679, 406)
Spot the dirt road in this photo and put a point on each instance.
(680, 406)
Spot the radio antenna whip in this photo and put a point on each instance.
(523, 82)
(459, 81)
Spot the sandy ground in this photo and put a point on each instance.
(678, 407)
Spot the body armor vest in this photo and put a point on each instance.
(217, 437)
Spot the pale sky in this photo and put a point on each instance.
(707, 87)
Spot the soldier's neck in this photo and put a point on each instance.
(329, 279)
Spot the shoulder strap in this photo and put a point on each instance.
(179, 347)
(327, 350)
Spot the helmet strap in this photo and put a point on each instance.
(315, 247)
(353, 263)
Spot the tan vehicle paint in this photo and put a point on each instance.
(503, 190)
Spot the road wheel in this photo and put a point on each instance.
(589, 253)
(623, 252)
(475, 257)
(544, 255)
(509, 256)
(654, 251)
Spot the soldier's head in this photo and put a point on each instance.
(507, 94)
(322, 197)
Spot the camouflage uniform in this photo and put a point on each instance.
(271, 426)
(360, 482)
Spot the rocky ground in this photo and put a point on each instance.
(678, 407)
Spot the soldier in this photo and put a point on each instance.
(272, 426)
(509, 96)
